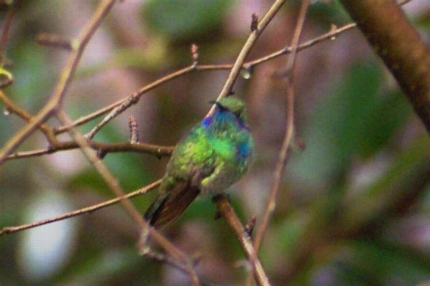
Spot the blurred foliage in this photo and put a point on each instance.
(184, 19)
(325, 14)
(353, 120)
(364, 150)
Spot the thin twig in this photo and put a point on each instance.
(5, 35)
(85, 119)
(176, 254)
(114, 186)
(234, 73)
(400, 46)
(101, 169)
(283, 154)
(161, 257)
(53, 40)
(90, 209)
(157, 150)
(134, 131)
(63, 83)
(332, 34)
(133, 99)
(240, 60)
(328, 36)
(228, 213)
(11, 107)
(248, 65)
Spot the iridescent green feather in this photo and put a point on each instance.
(213, 155)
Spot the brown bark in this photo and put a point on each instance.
(399, 45)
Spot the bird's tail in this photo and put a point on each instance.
(169, 206)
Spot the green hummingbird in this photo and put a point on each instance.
(211, 157)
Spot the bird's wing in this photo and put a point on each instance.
(192, 160)
(169, 206)
(192, 155)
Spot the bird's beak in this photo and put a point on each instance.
(217, 104)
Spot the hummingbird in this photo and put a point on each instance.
(211, 157)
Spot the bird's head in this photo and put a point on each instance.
(233, 105)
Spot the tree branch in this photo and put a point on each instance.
(252, 39)
(57, 97)
(103, 148)
(289, 130)
(400, 47)
(242, 235)
(363, 214)
(90, 209)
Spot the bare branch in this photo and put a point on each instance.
(57, 97)
(11, 107)
(161, 257)
(127, 204)
(195, 54)
(283, 153)
(132, 99)
(157, 150)
(228, 213)
(240, 60)
(399, 45)
(90, 209)
(5, 35)
(53, 40)
(134, 132)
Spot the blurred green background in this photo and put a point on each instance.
(354, 204)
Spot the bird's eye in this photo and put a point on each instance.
(237, 114)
